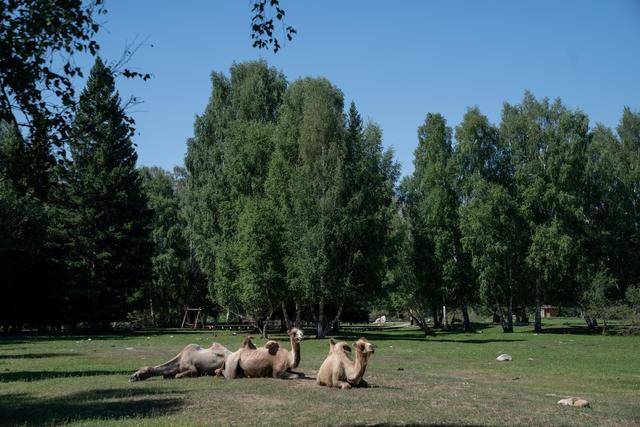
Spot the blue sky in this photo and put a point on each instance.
(396, 60)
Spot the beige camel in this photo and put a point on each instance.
(192, 361)
(338, 370)
(268, 361)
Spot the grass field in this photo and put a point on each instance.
(448, 378)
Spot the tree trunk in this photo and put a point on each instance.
(298, 321)
(153, 317)
(591, 322)
(262, 327)
(510, 315)
(287, 322)
(466, 325)
(523, 317)
(504, 322)
(538, 318)
(320, 326)
(445, 320)
(437, 321)
(496, 317)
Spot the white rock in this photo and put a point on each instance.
(574, 401)
(504, 358)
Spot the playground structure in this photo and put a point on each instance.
(188, 316)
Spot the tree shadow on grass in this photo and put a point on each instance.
(472, 341)
(9, 376)
(380, 336)
(103, 404)
(35, 355)
(580, 330)
(425, 424)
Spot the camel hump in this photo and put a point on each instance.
(247, 343)
(272, 346)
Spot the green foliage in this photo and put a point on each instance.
(106, 218)
(431, 200)
(492, 235)
(173, 283)
(228, 162)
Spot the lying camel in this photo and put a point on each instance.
(338, 370)
(192, 361)
(268, 361)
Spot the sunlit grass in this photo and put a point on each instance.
(449, 378)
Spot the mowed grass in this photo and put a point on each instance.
(448, 378)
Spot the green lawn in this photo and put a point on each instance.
(449, 378)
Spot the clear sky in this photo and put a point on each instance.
(398, 60)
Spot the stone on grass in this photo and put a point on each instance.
(504, 358)
(574, 401)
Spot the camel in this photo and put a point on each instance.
(268, 361)
(339, 371)
(192, 361)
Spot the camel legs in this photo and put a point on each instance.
(192, 372)
(338, 383)
(288, 375)
(362, 384)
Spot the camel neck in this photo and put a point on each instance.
(295, 353)
(361, 363)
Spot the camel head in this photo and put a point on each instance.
(296, 334)
(363, 346)
(141, 374)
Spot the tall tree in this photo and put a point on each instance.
(493, 234)
(24, 255)
(107, 218)
(547, 142)
(368, 208)
(228, 161)
(169, 290)
(308, 168)
(435, 216)
(481, 165)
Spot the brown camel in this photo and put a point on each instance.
(192, 361)
(338, 370)
(268, 361)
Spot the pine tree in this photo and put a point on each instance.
(107, 221)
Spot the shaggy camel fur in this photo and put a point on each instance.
(268, 361)
(338, 370)
(192, 361)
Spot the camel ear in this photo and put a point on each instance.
(332, 342)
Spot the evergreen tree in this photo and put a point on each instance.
(107, 218)
(24, 220)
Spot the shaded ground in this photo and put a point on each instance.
(446, 378)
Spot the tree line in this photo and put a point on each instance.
(289, 207)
